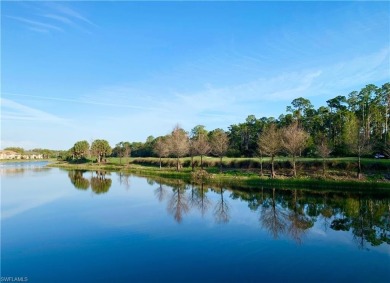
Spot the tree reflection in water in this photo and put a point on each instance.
(273, 217)
(221, 210)
(326, 213)
(77, 179)
(282, 212)
(299, 221)
(160, 192)
(199, 199)
(99, 184)
(124, 179)
(178, 202)
(20, 171)
(369, 221)
(293, 212)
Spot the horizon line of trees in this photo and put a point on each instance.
(352, 125)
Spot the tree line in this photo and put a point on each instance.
(352, 125)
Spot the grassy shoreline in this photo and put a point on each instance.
(232, 178)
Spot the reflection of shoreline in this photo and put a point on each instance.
(242, 179)
(20, 171)
(282, 212)
(26, 164)
(287, 212)
(17, 168)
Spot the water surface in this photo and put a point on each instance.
(76, 226)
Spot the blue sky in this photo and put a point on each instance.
(122, 71)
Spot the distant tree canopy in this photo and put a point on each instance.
(15, 149)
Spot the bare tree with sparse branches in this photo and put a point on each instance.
(270, 144)
(294, 141)
(219, 142)
(161, 148)
(178, 144)
(323, 150)
(191, 152)
(202, 147)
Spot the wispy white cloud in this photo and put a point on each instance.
(108, 98)
(49, 17)
(142, 110)
(66, 21)
(226, 103)
(67, 11)
(308, 83)
(11, 110)
(365, 69)
(223, 104)
(155, 111)
(36, 25)
(40, 30)
(124, 96)
(61, 19)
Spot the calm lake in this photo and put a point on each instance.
(75, 226)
